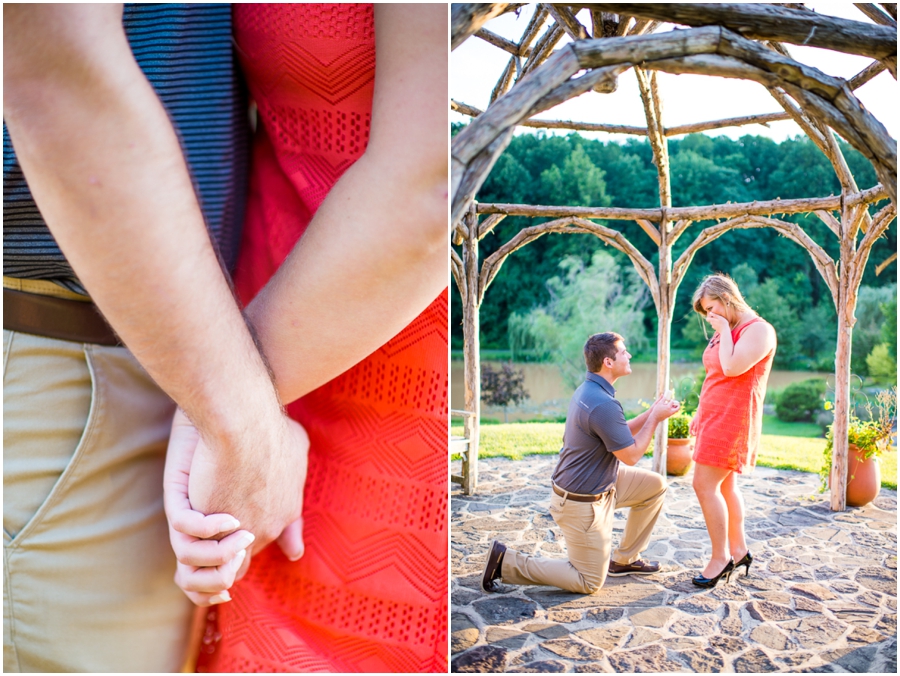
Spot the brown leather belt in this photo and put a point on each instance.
(74, 320)
(578, 497)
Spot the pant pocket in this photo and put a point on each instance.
(50, 405)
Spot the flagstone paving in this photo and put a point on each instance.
(820, 597)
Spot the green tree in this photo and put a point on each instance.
(870, 319)
(882, 364)
(578, 183)
(585, 300)
(769, 302)
(555, 169)
(889, 328)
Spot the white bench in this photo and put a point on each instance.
(461, 445)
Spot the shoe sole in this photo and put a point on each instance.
(633, 572)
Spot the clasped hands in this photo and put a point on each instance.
(224, 507)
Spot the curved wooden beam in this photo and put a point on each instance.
(480, 139)
(823, 262)
(703, 50)
(769, 22)
(492, 264)
(467, 17)
(457, 269)
(883, 264)
(880, 223)
(488, 224)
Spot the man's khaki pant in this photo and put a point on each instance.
(587, 528)
(88, 569)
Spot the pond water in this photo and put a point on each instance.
(549, 395)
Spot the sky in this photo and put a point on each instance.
(476, 65)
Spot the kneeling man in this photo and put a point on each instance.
(595, 476)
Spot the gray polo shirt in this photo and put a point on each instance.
(595, 427)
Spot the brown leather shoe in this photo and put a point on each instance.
(638, 567)
(489, 580)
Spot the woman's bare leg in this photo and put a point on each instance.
(737, 541)
(708, 487)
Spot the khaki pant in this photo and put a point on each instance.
(587, 528)
(88, 569)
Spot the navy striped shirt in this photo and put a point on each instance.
(185, 50)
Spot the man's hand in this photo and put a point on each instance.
(664, 408)
(262, 488)
(211, 552)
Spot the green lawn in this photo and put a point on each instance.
(772, 425)
(788, 449)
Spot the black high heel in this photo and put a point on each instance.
(746, 561)
(710, 582)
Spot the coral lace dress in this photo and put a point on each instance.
(370, 593)
(731, 409)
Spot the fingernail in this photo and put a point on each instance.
(231, 524)
(298, 557)
(245, 540)
(239, 558)
(221, 597)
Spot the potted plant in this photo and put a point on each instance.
(867, 439)
(680, 445)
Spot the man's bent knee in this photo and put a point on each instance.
(660, 484)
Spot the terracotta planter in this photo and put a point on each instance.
(863, 478)
(678, 456)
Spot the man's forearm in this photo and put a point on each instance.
(642, 440)
(637, 423)
(107, 172)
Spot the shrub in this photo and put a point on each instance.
(503, 387)
(679, 425)
(824, 420)
(882, 365)
(687, 390)
(871, 436)
(800, 401)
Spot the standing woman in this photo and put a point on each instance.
(728, 422)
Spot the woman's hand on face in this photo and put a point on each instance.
(718, 322)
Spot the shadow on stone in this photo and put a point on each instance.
(505, 610)
(616, 593)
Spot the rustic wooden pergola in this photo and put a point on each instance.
(743, 41)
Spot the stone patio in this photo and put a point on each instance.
(820, 597)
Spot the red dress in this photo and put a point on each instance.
(730, 410)
(370, 593)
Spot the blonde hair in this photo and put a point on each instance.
(719, 287)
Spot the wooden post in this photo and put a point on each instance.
(660, 146)
(852, 265)
(472, 359)
(838, 478)
(663, 338)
